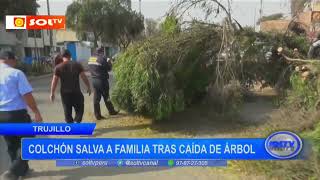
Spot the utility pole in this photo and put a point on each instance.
(261, 7)
(255, 20)
(140, 6)
(50, 31)
(35, 41)
(36, 53)
(261, 13)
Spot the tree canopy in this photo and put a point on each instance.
(111, 21)
(17, 7)
(170, 25)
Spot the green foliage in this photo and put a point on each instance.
(314, 136)
(170, 25)
(164, 75)
(86, 16)
(299, 42)
(123, 26)
(36, 68)
(111, 21)
(304, 93)
(256, 67)
(17, 7)
(124, 3)
(275, 71)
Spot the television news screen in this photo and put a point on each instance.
(161, 89)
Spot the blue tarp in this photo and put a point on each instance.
(72, 48)
(28, 60)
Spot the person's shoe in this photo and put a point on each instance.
(100, 118)
(114, 113)
(9, 176)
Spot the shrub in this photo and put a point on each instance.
(303, 96)
(36, 68)
(303, 93)
(165, 74)
(314, 136)
(170, 25)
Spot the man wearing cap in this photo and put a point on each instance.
(68, 72)
(99, 67)
(15, 96)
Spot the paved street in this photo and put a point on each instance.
(48, 170)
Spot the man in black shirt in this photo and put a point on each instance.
(99, 68)
(68, 72)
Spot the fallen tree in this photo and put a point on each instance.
(182, 66)
(169, 72)
(164, 74)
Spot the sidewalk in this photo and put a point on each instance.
(32, 78)
(44, 76)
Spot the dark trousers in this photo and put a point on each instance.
(101, 89)
(18, 166)
(76, 101)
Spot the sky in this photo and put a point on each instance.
(245, 11)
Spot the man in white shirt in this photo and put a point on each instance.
(15, 96)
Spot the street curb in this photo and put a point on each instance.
(32, 78)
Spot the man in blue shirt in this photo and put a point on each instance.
(15, 96)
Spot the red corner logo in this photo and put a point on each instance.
(35, 22)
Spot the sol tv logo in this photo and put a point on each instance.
(35, 22)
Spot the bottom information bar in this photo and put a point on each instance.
(141, 163)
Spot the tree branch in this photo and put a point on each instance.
(312, 61)
(187, 4)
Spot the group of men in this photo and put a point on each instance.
(16, 96)
(68, 72)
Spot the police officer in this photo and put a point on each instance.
(99, 67)
(15, 96)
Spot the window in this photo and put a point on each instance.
(28, 52)
(34, 33)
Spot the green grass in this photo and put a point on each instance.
(201, 122)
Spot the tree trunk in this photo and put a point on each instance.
(95, 43)
(19, 48)
(95, 39)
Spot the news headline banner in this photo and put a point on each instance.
(14, 129)
(160, 149)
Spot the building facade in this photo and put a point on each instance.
(27, 44)
(80, 50)
(67, 39)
